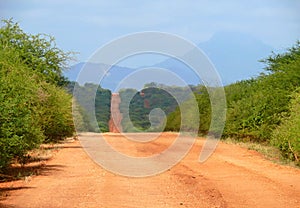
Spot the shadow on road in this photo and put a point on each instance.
(21, 172)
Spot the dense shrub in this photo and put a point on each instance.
(202, 97)
(80, 118)
(33, 106)
(257, 106)
(19, 109)
(287, 136)
(84, 110)
(145, 110)
(56, 118)
(39, 52)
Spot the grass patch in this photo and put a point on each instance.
(268, 151)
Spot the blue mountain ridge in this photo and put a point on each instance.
(235, 56)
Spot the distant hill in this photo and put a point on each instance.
(235, 55)
(110, 81)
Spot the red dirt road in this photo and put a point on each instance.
(116, 116)
(232, 177)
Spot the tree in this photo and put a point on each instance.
(33, 106)
(20, 106)
(140, 109)
(39, 52)
(174, 121)
(85, 96)
(56, 117)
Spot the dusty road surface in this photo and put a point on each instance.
(116, 116)
(232, 177)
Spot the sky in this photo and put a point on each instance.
(84, 26)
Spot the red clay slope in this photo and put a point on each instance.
(116, 116)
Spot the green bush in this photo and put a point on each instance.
(256, 106)
(137, 106)
(39, 52)
(287, 136)
(84, 110)
(174, 121)
(56, 118)
(33, 108)
(80, 118)
(19, 109)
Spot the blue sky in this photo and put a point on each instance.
(84, 26)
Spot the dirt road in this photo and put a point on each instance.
(114, 123)
(232, 177)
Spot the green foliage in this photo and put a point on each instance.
(85, 97)
(19, 109)
(204, 107)
(287, 136)
(126, 95)
(144, 102)
(102, 108)
(39, 52)
(245, 109)
(174, 121)
(80, 118)
(141, 109)
(255, 106)
(33, 108)
(56, 117)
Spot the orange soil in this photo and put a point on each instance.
(231, 177)
(116, 117)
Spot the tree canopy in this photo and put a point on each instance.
(34, 108)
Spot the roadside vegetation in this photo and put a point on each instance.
(36, 101)
(83, 111)
(34, 105)
(263, 110)
(287, 135)
(140, 109)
